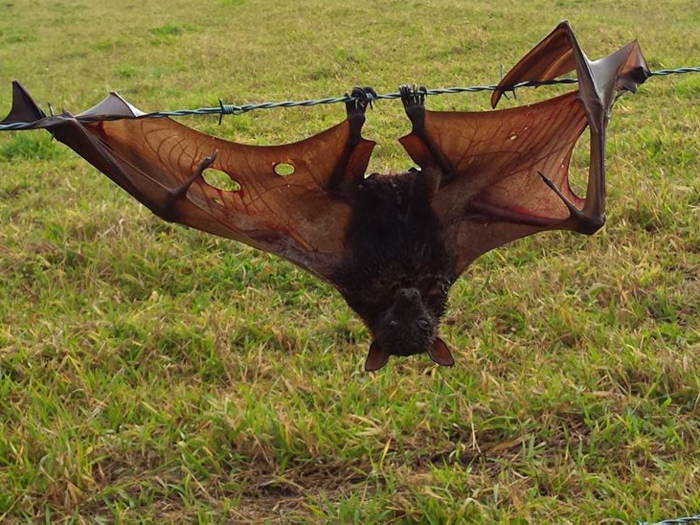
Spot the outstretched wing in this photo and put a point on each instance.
(301, 217)
(493, 193)
(506, 171)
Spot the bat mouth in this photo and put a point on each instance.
(403, 351)
(406, 341)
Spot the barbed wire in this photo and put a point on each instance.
(675, 521)
(233, 109)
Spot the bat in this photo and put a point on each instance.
(392, 245)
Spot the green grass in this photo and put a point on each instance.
(152, 372)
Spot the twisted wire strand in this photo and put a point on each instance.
(233, 109)
(674, 521)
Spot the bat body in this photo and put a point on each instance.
(397, 272)
(392, 245)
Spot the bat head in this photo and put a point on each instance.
(408, 327)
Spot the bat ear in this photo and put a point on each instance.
(440, 353)
(376, 358)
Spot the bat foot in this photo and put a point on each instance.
(413, 99)
(356, 107)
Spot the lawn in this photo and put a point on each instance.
(151, 372)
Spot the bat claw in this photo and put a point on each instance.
(209, 160)
(166, 209)
(413, 96)
(506, 89)
(363, 97)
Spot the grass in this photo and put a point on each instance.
(150, 372)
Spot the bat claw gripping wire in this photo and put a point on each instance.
(413, 96)
(364, 96)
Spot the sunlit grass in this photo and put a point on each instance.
(152, 372)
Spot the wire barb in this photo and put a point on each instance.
(232, 109)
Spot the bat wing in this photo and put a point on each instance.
(301, 217)
(506, 171)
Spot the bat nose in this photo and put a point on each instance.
(408, 294)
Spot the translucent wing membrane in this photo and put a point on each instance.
(160, 162)
(506, 172)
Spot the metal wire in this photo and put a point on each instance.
(233, 109)
(687, 519)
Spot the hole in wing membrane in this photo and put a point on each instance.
(284, 169)
(220, 180)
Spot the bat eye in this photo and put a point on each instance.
(423, 323)
(393, 323)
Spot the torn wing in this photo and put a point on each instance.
(301, 217)
(506, 172)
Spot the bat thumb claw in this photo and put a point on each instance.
(210, 159)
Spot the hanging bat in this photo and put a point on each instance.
(392, 245)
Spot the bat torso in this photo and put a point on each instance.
(394, 243)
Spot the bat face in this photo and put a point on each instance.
(408, 327)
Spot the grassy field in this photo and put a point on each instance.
(152, 372)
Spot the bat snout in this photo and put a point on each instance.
(408, 296)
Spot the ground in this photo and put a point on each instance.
(152, 372)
